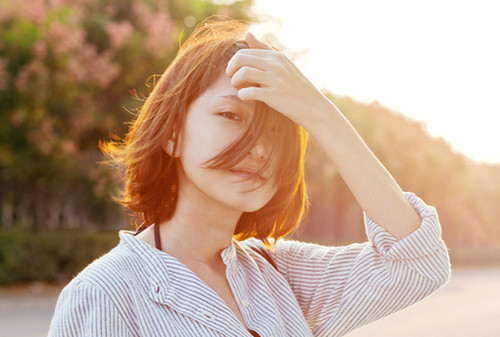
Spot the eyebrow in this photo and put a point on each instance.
(243, 104)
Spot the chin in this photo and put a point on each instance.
(249, 202)
(253, 207)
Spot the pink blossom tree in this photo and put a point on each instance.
(66, 71)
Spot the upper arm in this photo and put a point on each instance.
(341, 288)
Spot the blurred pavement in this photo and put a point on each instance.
(26, 312)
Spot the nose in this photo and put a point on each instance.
(259, 152)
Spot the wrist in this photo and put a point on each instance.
(327, 122)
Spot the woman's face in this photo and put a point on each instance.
(213, 122)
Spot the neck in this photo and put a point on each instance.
(198, 231)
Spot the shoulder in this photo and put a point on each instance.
(115, 274)
(94, 299)
(117, 263)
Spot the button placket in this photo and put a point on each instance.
(245, 303)
(228, 255)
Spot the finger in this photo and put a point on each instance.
(255, 43)
(248, 75)
(257, 52)
(243, 59)
(251, 94)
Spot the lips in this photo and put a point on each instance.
(247, 173)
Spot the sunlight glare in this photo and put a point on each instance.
(434, 61)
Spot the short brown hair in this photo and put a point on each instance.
(150, 175)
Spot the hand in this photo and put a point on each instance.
(264, 74)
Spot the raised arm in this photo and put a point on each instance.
(266, 75)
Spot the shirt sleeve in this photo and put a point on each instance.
(341, 288)
(83, 310)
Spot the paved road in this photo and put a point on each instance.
(27, 312)
(468, 306)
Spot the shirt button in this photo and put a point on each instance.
(245, 303)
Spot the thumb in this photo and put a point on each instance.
(255, 43)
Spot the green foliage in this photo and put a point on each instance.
(49, 256)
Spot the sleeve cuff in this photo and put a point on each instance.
(422, 242)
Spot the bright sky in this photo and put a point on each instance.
(436, 61)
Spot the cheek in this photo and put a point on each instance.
(274, 189)
(271, 188)
(195, 143)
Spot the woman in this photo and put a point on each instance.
(214, 170)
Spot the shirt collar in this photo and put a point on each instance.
(171, 283)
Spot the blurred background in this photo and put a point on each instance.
(418, 82)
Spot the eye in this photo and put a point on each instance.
(230, 115)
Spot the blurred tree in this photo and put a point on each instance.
(66, 69)
(466, 193)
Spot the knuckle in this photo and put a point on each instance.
(280, 58)
(234, 62)
(245, 70)
(235, 79)
(239, 57)
(236, 58)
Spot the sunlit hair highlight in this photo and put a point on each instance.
(151, 182)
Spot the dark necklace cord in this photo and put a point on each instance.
(156, 229)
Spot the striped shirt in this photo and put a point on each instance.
(138, 290)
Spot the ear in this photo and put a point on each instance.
(169, 146)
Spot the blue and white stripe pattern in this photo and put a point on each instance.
(137, 290)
